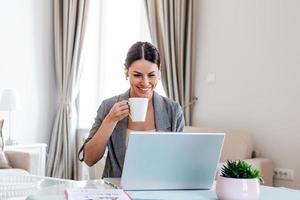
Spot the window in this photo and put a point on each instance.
(113, 26)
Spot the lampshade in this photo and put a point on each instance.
(9, 100)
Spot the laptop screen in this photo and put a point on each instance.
(168, 160)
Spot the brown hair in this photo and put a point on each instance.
(142, 50)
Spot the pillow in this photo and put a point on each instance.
(4, 163)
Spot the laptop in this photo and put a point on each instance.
(169, 161)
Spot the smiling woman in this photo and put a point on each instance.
(142, 66)
(143, 76)
(113, 26)
(112, 123)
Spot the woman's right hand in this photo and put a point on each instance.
(119, 111)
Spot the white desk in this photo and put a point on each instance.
(53, 189)
(267, 193)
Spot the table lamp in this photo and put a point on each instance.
(9, 102)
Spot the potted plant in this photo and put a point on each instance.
(238, 181)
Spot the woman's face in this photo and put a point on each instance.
(143, 78)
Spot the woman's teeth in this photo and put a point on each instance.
(144, 89)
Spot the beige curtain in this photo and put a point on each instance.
(171, 27)
(69, 28)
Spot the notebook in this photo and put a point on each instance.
(170, 161)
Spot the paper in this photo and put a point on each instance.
(96, 194)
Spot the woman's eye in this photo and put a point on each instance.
(136, 75)
(151, 75)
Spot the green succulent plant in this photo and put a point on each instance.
(240, 169)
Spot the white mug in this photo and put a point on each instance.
(138, 108)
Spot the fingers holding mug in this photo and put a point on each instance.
(119, 111)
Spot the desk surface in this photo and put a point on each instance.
(267, 193)
(53, 189)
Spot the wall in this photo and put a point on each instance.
(26, 65)
(253, 48)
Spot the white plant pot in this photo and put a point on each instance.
(237, 188)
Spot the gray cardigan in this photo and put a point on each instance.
(168, 117)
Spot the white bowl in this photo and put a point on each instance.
(237, 188)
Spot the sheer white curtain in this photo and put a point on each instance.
(113, 27)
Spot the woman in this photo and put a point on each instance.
(112, 124)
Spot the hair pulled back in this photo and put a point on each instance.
(142, 51)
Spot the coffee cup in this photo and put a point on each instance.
(138, 108)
